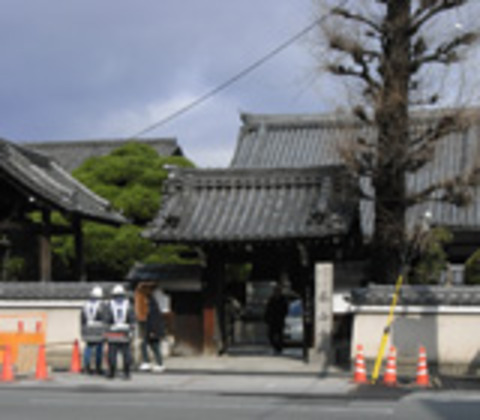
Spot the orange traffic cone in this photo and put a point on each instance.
(75, 364)
(390, 376)
(41, 372)
(422, 369)
(360, 374)
(7, 369)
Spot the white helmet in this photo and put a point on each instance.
(118, 290)
(96, 292)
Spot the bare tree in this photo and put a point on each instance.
(387, 46)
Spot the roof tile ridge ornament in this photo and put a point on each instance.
(255, 121)
(178, 179)
(99, 142)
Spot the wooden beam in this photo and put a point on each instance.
(34, 228)
(80, 269)
(45, 252)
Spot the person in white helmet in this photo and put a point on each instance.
(93, 328)
(121, 320)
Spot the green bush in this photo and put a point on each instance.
(472, 268)
(432, 259)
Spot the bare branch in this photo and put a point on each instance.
(446, 53)
(360, 112)
(422, 147)
(457, 190)
(352, 47)
(429, 9)
(343, 70)
(360, 156)
(360, 56)
(346, 14)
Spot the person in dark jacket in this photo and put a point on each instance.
(154, 332)
(120, 318)
(275, 313)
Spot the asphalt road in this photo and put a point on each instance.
(47, 405)
(81, 405)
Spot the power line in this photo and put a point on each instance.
(247, 70)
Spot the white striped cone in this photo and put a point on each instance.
(390, 376)
(360, 374)
(422, 368)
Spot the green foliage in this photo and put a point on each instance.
(131, 178)
(170, 254)
(238, 272)
(111, 251)
(14, 267)
(472, 268)
(433, 258)
(139, 203)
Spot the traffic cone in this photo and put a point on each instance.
(422, 369)
(41, 372)
(360, 373)
(390, 376)
(7, 368)
(75, 363)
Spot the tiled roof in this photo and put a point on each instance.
(419, 295)
(299, 141)
(71, 154)
(44, 180)
(254, 205)
(290, 141)
(51, 290)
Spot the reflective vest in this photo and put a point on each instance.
(119, 311)
(91, 309)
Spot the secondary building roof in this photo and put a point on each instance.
(416, 295)
(52, 290)
(71, 154)
(169, 277)
(299, 141)
(42, 180)
(232, 205)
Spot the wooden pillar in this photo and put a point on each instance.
(307, 299)
(45, 248)
(212, 303)
(80, 270)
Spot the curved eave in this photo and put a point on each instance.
(318, 236)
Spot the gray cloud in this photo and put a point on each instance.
(96, 69)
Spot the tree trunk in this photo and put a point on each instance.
(393, 121)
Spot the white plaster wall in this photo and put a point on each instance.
(62, 322)
(449, 338)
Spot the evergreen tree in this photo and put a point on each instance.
(131, 178)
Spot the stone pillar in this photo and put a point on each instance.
(323, 316)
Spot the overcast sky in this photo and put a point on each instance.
(90, 69)
(99, 69)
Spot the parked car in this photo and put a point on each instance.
(293, 329)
